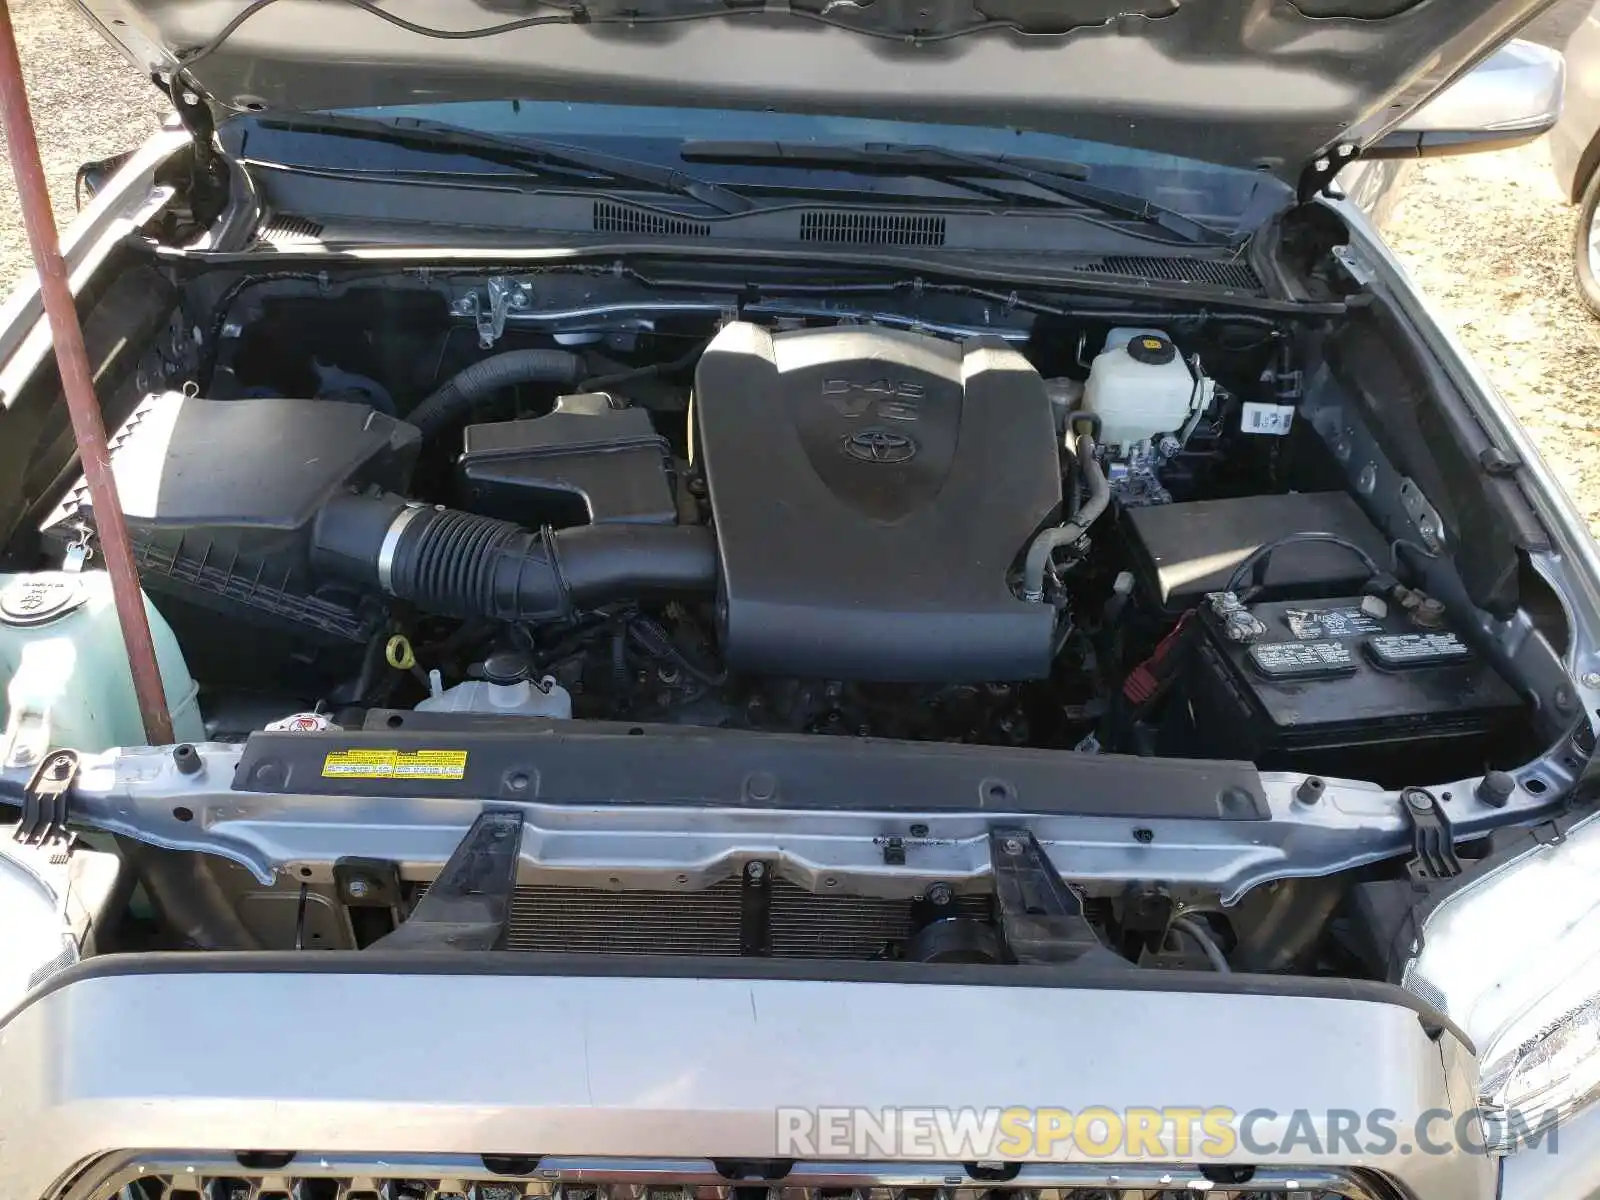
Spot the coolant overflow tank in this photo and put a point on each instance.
(68, 685)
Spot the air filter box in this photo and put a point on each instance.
(220, 495)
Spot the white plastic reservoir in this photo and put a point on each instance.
(68, 686)
(524, 698)
(1140, 387)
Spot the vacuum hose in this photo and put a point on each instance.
(464, 389)
(456, 564)
(1046, 543)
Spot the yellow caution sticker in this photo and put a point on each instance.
(395, 764)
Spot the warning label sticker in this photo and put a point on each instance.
(395, 764)
(1330, 622)
(1301, 660)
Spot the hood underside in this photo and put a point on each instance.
(1265, 84)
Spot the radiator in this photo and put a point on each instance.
(804, 924)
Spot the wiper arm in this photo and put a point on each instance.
(1066, 180)
(439, 137)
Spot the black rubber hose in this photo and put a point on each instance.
(1096, 500)
(483, 378)
(456, 564)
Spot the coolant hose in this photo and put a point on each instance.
(489, 375)
(1047, 542)
(455, 564)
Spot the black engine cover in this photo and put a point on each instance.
(871, 490)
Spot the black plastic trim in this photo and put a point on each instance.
(597, 762)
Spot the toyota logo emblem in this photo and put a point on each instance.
(880, 446)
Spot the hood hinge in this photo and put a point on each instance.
(208, 175)
(1319, 172)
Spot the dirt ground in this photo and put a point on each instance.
(1487, 238)
(87, 103)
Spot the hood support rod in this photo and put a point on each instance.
(77, 382)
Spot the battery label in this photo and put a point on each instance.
(1346, 622)
(1417, 650)
(1301, 660)
(395, 764)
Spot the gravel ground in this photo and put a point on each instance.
(87, 102)
(1487, 238)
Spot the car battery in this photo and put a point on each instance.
(1348, 687)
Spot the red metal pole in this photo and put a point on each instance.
(78, 383)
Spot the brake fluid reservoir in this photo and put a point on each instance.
(68, 685)
(1140, 387)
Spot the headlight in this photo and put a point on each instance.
(1514, 959)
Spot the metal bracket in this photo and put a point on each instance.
(1359, 270)
(755, 910)
(208, 179)
(1432, 837)
(500, 296)
(1320, 172)
(467, 906)
(1041, 917)
(44, 804)
(1426, 518)
(367, 882)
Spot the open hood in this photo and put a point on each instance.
(1270, 85)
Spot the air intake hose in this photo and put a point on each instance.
(459, 565)
(465, 388)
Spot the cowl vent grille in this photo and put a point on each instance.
(1178, 270)
(285, 229)
(871, 228)
(610, 217)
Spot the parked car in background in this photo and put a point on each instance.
(1575, 152)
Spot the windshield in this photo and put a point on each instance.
(1202, 190)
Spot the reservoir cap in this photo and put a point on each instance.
(37, 599)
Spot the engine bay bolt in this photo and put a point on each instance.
(1310, 790)
(919, 830)
(357, 888)
(1591, 679)
(755, 870)
(1495, 788)
(1013, 846)
(940, 895)
(1418, 800)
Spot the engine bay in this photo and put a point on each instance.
(983, 541)
(797, 526)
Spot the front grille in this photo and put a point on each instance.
(804, 924)
(1177, 270)
(415, 1177)
(610, 217)
(871, 228)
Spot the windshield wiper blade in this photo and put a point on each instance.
(439, 137)
(1066, 180)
